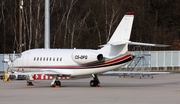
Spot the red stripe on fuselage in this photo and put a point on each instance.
(116, 60)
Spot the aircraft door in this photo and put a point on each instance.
(25, 62)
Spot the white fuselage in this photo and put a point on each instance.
(73, 62)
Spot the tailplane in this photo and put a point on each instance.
(118, 43)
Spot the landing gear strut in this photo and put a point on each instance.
(56, 83)
(95, 82)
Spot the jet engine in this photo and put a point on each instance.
(86, 57)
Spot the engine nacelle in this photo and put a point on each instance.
(86, 57)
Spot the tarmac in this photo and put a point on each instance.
(162, 89)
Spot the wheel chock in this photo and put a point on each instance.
(98, 85)
(57, 86)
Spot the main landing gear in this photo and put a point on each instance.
(55, 83)
(95, 82)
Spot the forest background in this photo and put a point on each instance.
(88, 23)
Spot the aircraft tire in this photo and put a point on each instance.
(93, 83)
(58, 83)
(29, 84)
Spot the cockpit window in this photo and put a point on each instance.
(19, 55)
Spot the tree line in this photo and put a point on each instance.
(88, 23)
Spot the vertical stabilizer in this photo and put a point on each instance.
(118, 43)
(123, 31)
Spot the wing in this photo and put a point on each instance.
(134, 73)
(52, 72)
(49, 72)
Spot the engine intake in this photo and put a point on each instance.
(100, 57)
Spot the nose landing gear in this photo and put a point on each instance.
(55, 83)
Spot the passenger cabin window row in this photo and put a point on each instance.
(47, 58)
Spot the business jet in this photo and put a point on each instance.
(77, 62)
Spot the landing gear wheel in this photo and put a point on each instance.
(151, 77)
(56, 84)
(30, 84)
(94, 83)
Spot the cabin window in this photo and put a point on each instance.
(54, 59)
(34, 58)
(57, 59)
(50, 59)
(41, 59)
(60, 59)
(37, 58)
(44, 59)
(47, 59)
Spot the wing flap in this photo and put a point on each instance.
(54, 73)
(134, 73)
(44, 72)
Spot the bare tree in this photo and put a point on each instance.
(72, 21)
(72, 3)
(37, 24)
(4, 25)
(78, 23)
(30, 24)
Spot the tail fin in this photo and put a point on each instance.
(123, 31)
(118, 43)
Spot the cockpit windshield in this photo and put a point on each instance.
(19, 55)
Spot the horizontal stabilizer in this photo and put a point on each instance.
(148, 44)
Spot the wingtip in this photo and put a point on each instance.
(162, 45)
